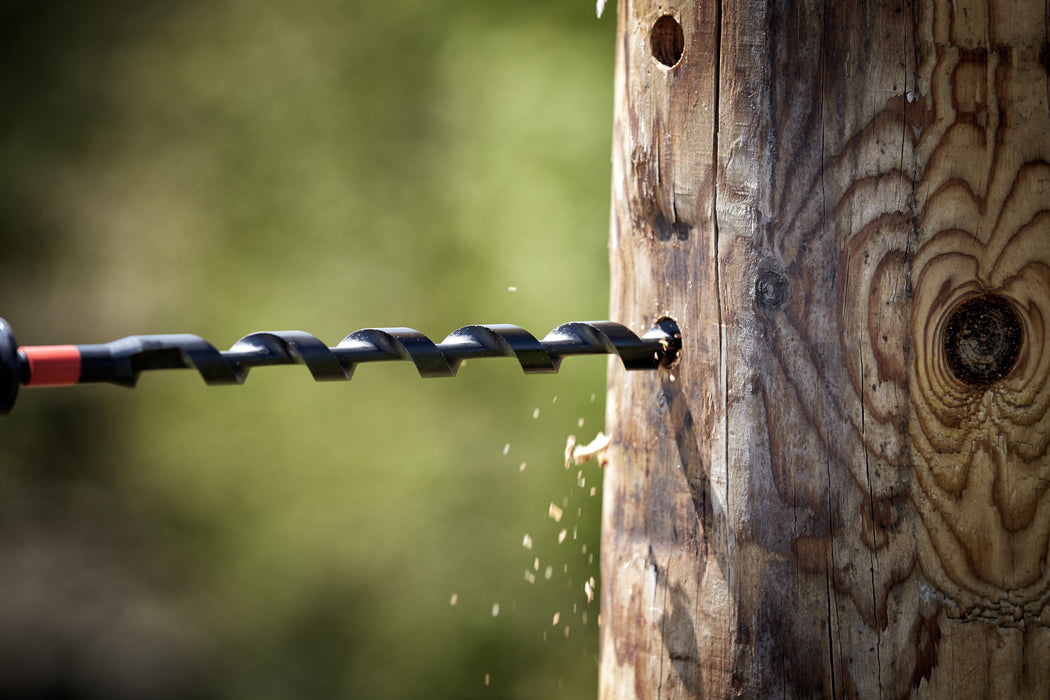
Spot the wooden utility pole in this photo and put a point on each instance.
(841, 490)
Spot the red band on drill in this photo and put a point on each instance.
(52, 365)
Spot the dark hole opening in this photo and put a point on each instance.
(667, 40)
(673, 347)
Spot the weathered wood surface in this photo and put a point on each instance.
(821, 500)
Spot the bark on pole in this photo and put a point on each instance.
(841, 490)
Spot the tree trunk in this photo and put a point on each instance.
(841, 488)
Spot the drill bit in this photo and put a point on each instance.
(122, 361)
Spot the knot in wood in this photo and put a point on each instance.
(982, 339)
(771, 289)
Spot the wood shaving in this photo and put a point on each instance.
(570, 444)
(595, 449)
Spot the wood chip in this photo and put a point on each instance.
(595, 449)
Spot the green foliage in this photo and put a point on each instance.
(227, 166)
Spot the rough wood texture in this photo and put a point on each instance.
(841, 491)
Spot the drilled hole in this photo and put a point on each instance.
(667, 40)
(673, 346)
(982, 339)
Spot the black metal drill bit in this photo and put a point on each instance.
(121, 361)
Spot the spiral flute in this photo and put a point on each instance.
(122, 361)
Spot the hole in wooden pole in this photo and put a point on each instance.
(673, 348)
(667, 40)
(982, 339)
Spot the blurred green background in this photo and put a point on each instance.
(224, 166)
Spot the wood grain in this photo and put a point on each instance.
(817, 502)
